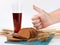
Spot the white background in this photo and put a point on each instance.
(7, 7)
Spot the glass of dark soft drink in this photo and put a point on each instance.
(17, 19)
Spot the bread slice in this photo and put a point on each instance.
(10, 38)
(24, 33)
(27, 33)
(33, 32)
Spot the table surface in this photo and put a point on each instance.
(54, 41)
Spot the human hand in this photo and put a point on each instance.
(42, 19)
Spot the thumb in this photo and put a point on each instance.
(42, 14)
(39, 10)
